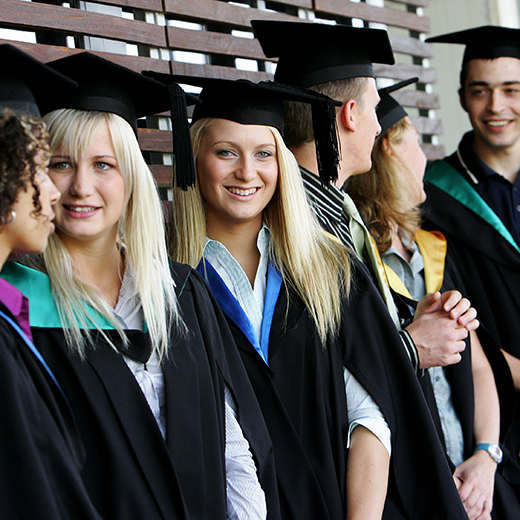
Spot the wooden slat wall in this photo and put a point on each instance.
(32, 15)
(155, 32)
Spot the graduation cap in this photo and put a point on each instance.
(312, 53)
(108, 87)
(25, 83)
(487, 42)
(261, 103)
(389, 111)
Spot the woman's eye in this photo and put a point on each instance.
(60, 165)
(224, 153)
(264, 154)
(103, 166)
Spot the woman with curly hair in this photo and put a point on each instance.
(137, 343)
(40, 451)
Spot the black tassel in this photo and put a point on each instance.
(184, 165)
(326, 139)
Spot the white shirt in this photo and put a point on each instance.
(362, 409)
(251, 299)
(245, 497)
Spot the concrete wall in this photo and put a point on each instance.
(454, 15)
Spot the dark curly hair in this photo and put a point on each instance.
(21, 139)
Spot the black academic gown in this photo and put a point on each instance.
(130, 471)
(441, 274)
(488, 262)
(302, 394)
(41, 454)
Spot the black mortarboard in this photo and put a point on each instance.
(389, 111)
(487, 42)
(312, 53)
(25, 83)
(108, 87)
(262, 104)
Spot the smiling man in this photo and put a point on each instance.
(491, 98)
(474, 194)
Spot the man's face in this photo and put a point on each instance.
(358, 150)
(491, 97)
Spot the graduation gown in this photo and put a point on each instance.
(441, 274)
(302, 394)
(131, 472)
(41, 454)
(488, 259)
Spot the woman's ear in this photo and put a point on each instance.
(347, 115)
(385, 143)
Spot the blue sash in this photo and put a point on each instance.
(229, 304)
(34, 350)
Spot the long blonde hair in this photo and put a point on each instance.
(140, 234)
(314, 263)
(381, 194)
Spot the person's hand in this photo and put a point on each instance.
(452, 302)
(438, 337)
(440, 326)
(475, 480)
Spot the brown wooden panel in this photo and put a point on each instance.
(304, 4)
(413, 46)
(413, 3)
(427, 126)
(372, 13)
(433, 152)
(136, 63)
(49, 52)
(146, 5)
(401, 71)
(34, 16)
(31, 15)
(215, 11)
(428, 101)
(152, 140)
(417, 98)
(208, 42)
(221, 12)
(217, 71)
(162, 174)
